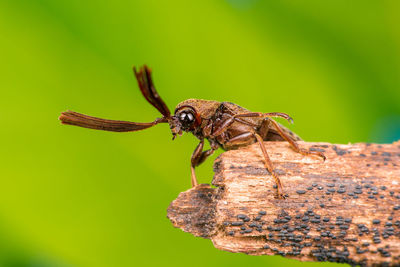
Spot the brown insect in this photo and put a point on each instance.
(223, 124)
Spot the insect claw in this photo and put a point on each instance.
(282, 196)
(285, 116)
(320, 154)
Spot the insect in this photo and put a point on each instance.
(223, 124)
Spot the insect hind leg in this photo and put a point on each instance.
(294, 144)
(252, 137)
(270, 167)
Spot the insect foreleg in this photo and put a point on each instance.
(203, 156)
(196, 156)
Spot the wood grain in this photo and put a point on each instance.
(346, 209)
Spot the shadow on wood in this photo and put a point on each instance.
(346, 209)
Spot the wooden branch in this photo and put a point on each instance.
(346, 209)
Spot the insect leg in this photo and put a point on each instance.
(219, 130)
(266, 115)
(239, 139)
(269, 166)
(196, 156)
(203, 156)
(294, 144)
(236, 117)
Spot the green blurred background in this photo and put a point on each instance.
(76, 197)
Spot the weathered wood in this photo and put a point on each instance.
(346, 209)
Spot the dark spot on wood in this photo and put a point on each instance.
(317, 149)
(339, 152)
(305, 219)
(376, 221)
(241, 216)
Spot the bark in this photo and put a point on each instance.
(346, 209)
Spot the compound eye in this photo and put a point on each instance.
(186, 119)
